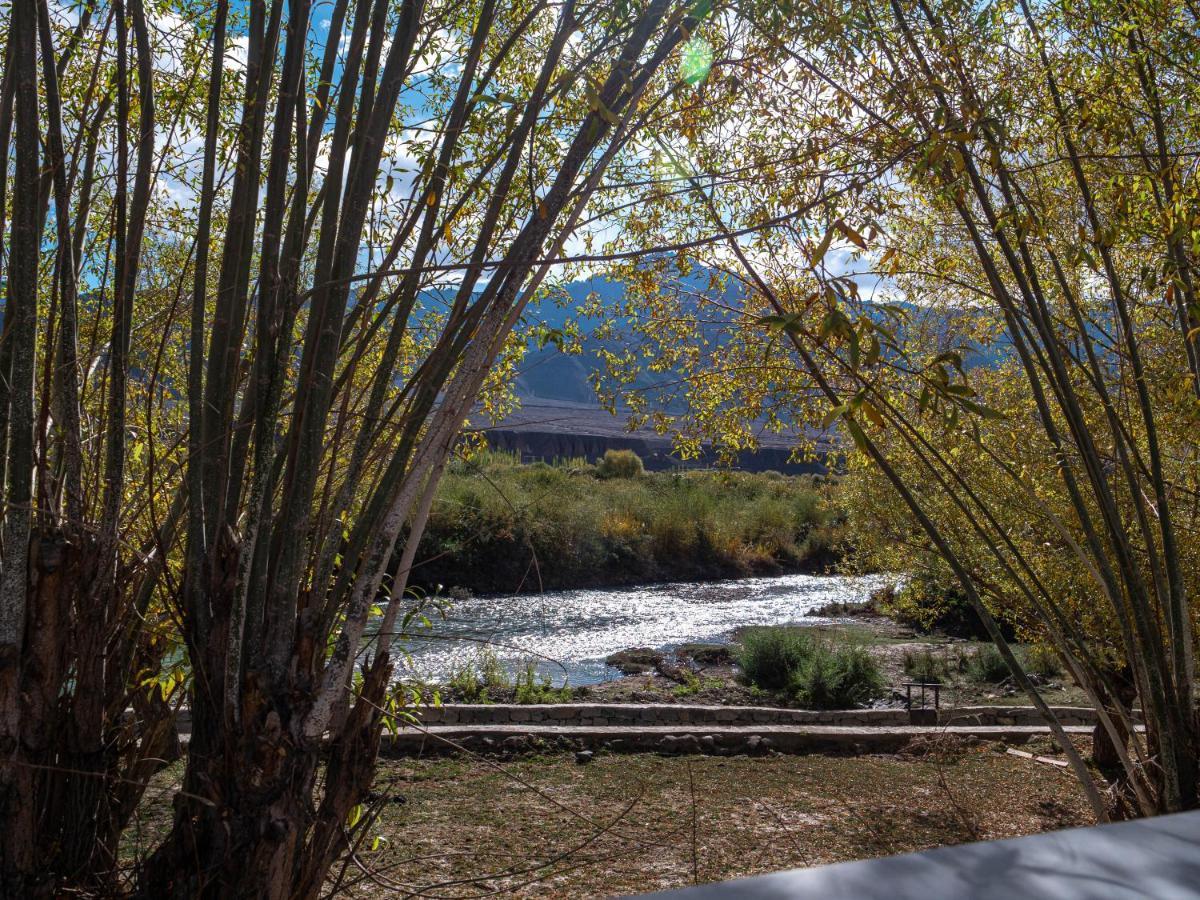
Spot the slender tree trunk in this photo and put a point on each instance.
(19, 863)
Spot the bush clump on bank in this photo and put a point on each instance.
(987, 666)
(485, 680)
(620, 464)
(770, 657)
(500, 526)
(926, 667)
(820, 674)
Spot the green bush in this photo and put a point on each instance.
(532, 688)
(932, 602)
(770, 657)
(926, 666)
(493, 517)
(987, 666)
(1043, 661)
(620, 464)
(475, 679)
(820, 674)
(837, 676)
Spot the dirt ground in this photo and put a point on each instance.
(547, 826)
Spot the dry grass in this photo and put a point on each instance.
(545, 826)
(625, 824)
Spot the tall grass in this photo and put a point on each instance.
(770, 657)
(501, 526)
(817, 673)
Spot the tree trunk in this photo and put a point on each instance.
(247, 822)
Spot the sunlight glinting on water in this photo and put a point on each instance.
(569, 633)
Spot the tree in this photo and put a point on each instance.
(1021, 177)
(282, 258)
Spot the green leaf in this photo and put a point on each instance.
(953, 357)
(789, 322)
(873, 414)
(873, 351)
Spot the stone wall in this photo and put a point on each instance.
(629, 715)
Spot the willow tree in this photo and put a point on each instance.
(259, 267)
(1021, 181)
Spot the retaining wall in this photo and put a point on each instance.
(629, 715)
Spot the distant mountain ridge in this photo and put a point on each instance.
(560, 415)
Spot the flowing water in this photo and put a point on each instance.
(568, 634)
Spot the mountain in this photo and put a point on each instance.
(560, 416)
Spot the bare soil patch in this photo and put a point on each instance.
(546, 826)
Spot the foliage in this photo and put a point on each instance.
(473, 681)
(497, 525)
(926, 667)
(967, 243)
(1043, 661)
(620, 464)
(987, 666)
(837, 676)
(530, 687)
(261, 261)
(486, 680)
(770, 656)
(929, 601)
(817, 673)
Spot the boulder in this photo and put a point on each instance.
(635, 661)
(706, 654)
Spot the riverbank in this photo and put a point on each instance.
(499, 526)
(708, 673)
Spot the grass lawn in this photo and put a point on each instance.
(546, 826)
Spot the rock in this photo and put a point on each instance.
(706, 654)
(709, 743)
(667, 669)
(689, 744)
(515, 744)
(679, 744)
(635, 661)
(583, 757)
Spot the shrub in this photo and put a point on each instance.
(837, 677)
(820, 674)
(770, 657)
(473, 681)
(1043, 661)
(987, 665)
(532, 688)
(931, 602)
(620, 464)
(493, 517)
(926, 666)
(690, 684)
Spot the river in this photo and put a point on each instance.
(568, 634)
